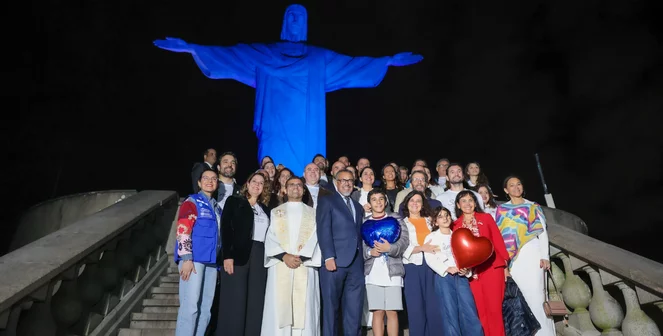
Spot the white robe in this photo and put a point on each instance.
(289, 220)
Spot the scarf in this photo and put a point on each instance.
(519, 224)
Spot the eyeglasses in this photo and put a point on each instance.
(348, 181)
(208, 179)
(295, 185)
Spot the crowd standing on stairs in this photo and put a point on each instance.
(282, 254)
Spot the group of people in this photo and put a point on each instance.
(291, 259)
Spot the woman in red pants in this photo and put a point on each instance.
(487, 283)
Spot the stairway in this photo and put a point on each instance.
(159, 314)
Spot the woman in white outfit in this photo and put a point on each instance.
(528, 249)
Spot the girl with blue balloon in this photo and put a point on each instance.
(385, 240)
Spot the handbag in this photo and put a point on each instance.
(552, 307)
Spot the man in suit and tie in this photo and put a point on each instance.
(342, 286)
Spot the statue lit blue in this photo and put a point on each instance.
(291, 79)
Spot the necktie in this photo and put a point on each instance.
(347, 202)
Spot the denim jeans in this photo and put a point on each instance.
(459, 313)
(196, 297)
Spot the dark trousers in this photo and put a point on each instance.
(344, 290)
(423, 308)
(242, 296)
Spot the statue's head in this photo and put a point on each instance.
(294, 24)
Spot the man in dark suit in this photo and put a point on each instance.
(342, 285)
(209, 160)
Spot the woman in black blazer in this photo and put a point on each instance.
(244, 224)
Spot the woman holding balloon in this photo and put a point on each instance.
(488, 281)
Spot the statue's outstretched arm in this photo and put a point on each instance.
(404, 58)
(173, 44)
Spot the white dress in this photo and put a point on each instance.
(528, 275)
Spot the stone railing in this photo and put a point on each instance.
(52, 215)
(87, 278)
(607, 290)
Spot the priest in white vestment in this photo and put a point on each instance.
(292, 256)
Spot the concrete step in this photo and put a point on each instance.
(157, 309)
(154, 316)
(170, 278)
(165, 296)
(146, 332)
(161, 303)
(169, 284)
(173, 270)
(153, 324)
(165, 290)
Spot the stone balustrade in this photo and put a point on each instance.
(87, 278)
(607, 290)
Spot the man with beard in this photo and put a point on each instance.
(227, 184)
(342, 285)
(323, 164)
(455, 178)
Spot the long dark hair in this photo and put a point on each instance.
(481, 178)
(491, 197)
(276, 184)
(397, 181)
(477, 207)
(425, 207)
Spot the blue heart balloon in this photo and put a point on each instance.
(376, 229)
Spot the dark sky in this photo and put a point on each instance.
(579, 82)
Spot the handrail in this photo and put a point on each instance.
(641, 271)
(34, 265)
(110, 191)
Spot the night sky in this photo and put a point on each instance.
(579, 82)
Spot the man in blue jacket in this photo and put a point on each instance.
(339, 219)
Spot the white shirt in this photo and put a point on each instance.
(440, 262)
(227, 192)
(490, 210)
(260, 223)
(314, 190)
(448, 200)
(363, 199)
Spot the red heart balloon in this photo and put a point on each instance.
(469, 250)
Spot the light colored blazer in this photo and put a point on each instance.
(408, 256)
(395, 261)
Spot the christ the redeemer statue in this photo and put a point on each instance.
(291, 79)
